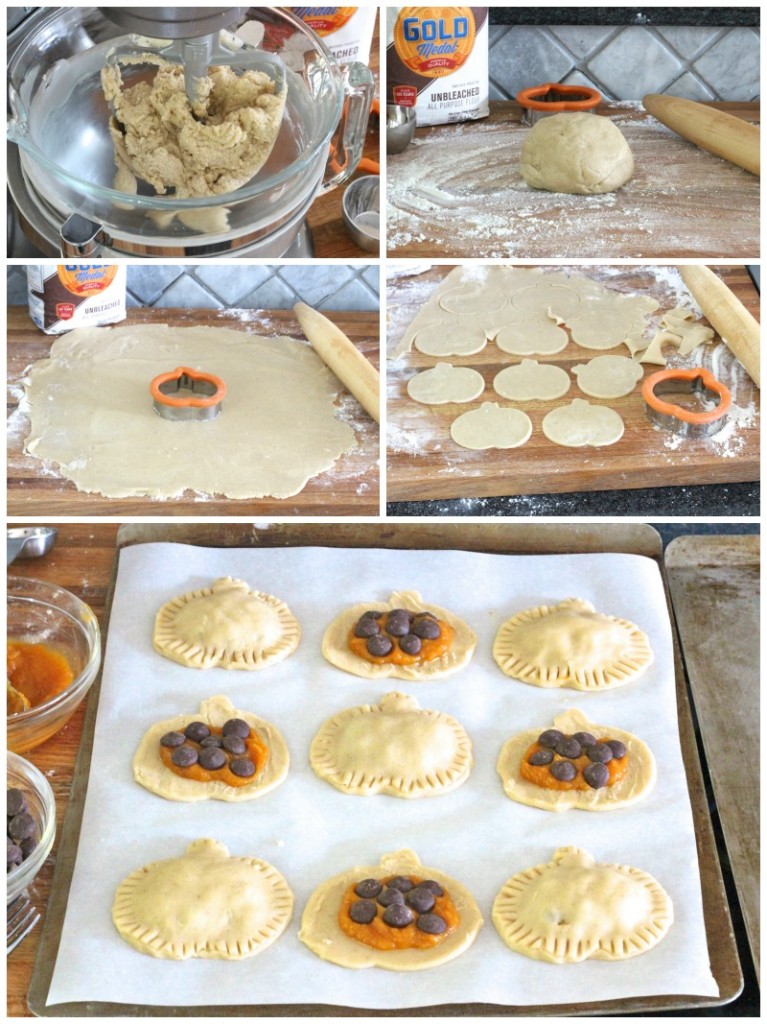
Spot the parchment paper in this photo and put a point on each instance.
(309, 831)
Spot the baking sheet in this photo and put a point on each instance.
(309, 831)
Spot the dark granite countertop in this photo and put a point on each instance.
(544, 15)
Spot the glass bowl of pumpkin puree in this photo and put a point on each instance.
(54, 653)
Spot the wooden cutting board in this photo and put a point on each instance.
(351, 487)
(682, 201)
(423, 462)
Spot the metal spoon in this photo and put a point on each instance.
(30, 541)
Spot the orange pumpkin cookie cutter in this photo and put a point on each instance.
(201, 400)
(678, 419)
(555, 98)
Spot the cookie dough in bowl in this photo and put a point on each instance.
(220, 753)
(397, 914)
(402, 638)
(576, 764)
(577, 153)
(226, 625)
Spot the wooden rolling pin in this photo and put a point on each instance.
(727, 314)
(347, 362)
(722, 134)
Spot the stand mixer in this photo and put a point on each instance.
(61, 171)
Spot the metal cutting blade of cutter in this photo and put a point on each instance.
(203, 399)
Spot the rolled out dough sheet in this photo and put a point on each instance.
(92, 415)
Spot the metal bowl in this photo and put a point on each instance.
(400, 127)
(362, 212)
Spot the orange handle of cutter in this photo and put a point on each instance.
(528, 97)
(669, 409)
(197, 403)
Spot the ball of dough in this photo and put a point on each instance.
(577, 153)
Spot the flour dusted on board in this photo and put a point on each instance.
(437, 62)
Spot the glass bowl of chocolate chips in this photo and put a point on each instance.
(31, 813)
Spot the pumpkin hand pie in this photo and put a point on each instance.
(574, 909)
(395, 748)
(570, 644)
(203, 904)
(218, 754)
(576, 764)
(402, 638)
(226, 625)
(397, 915)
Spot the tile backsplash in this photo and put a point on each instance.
(211, 286)
(624, 63)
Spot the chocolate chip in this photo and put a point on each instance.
(389, 896)
(212, 758)
(432, 924)
(184, 757)
(596, 774)
(586, 739)
(410, 644)
(366, 628)
(243, 767)
(172, 739)
(21, 826)
(368, 888)
(397, 915)
(372, 614)
(618, 748)
(236, 727)
(426, 628)
(362, 911)
(16, 802)
(540, 757)
(550, 738)
(234, 744)
(401, 882)
(398, 622)
(420, 899)
(379, 646)
(599, 752)
(28, 846)
(212, 741)
(196, 731)
(568, 746)
(15, 855)
(563, 771)
(432, 886)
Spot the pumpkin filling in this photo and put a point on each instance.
(36, 673)
(215, 754)
(579, 762)
(398, 912)
(400, 637)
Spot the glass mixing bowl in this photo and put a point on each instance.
(22, 775)
(41, 612)
(60, 118)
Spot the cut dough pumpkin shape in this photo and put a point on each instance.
(608, 376)
(530, 381)
(537, 336)
(561, 303)
(491, 426)
(571, 644)
(581, 424)
(471, 299)
(452, 338)
(209, 770)
(446, 383)
(346, 920)
(576, 764)
(402, 638)
(226, 625)
(205, 904)
(394, 748)
(574, 909)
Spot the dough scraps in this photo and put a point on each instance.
(211, 150)
(455, 338)
(203, 904)
(636, 782)
(530, 381)
(608, 376)
(491, 426)
(574, 909)
(445, 383)
(394, 747)
(581, 424)
(226, 625)
(538, 336)
(336, 650)
(577, 153)
(680, 328)
(321, 932)
(150, 772)
(571, 644)
(91, 413)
